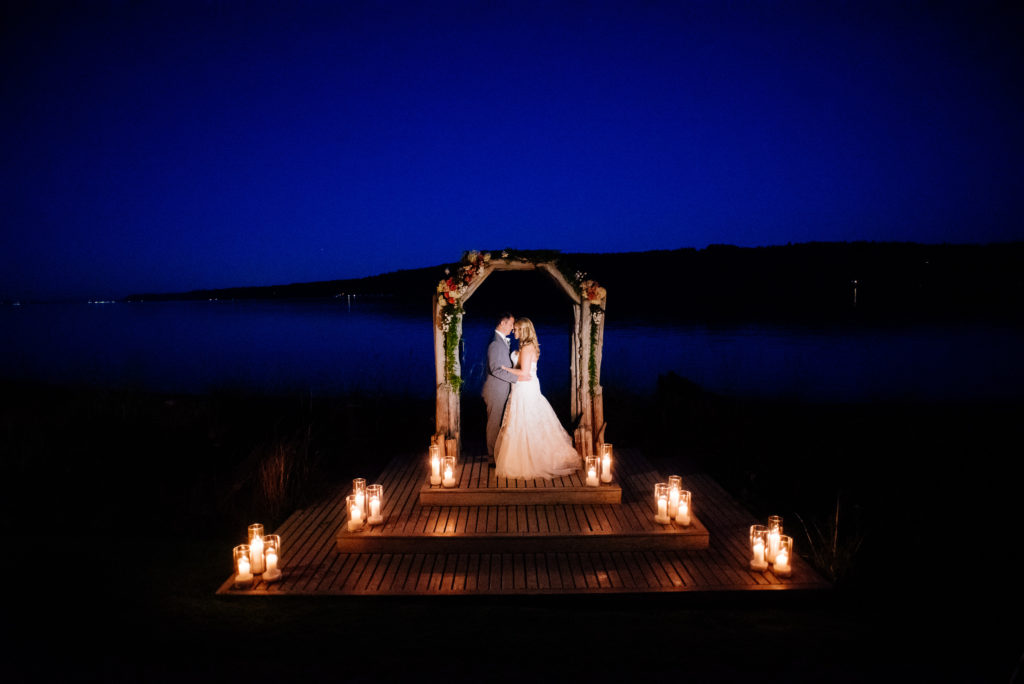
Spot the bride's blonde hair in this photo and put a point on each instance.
(527, 334)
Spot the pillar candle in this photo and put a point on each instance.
(673, 501)
(244, 570)
(662, 516)
(759, 563)
(592, 478)
(435, 470)
(355, 518)
(375, 516)
(606, 468)
(683, 513)
(256, 554)
(773, 545)
(781, 567)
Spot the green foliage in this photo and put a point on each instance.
(596, 312)
(452, 315)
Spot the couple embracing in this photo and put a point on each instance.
(524, 436)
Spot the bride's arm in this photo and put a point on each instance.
(526, 358)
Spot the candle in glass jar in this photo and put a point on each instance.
(592, 480)
(256, 554)
(374, 510)
(606, 468)
(355, 519)
(272, 574)
(244, 570)
(435, 469)
(683, 513)
(449, 478)
(773, 545)
(662, 509)
(673, 501)
(759, 563)
(781, 566)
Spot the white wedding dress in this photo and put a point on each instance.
(532, 442)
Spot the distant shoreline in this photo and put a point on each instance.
(815, 278)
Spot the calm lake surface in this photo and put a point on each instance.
(333, 346)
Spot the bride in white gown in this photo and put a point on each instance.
(532, 442)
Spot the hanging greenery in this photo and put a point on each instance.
(596, 312)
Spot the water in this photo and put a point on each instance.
(333, 346)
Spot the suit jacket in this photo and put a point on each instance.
(498, 383)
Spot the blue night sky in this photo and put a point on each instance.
(170, 146)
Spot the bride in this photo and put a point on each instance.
(532, 442)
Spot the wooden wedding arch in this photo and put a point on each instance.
(588, 300)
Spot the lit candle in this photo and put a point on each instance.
(375, 516)
(661, 504)
(759, 563)
(673, 501)
(244, 570)
(773, 545)
(435, 469)
(272, 574)
(758, 534)
(606, 468)
(683, 513)
(781, 567)
(448, 468)
(256, 554)
(592, 480)
(355, 518)
(662, 515)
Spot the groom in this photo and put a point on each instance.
(498, 383)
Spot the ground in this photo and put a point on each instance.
(122, 509)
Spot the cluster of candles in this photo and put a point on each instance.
(261, 556)
(672, 502)
(599, 467)
(442, 468)
(769, 546)
(365, 505)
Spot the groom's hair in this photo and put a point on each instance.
(504, 316)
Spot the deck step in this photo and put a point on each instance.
(669, 538)
(609, 493)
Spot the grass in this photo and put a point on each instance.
(124, 506)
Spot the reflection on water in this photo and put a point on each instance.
(330, 347)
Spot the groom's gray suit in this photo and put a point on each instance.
(497, 386)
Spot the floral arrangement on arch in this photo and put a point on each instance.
(590, 289)
(453, 287)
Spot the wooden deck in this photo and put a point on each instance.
(512, 520)
(521, 548)
(478, 485)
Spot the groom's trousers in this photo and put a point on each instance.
(495, 412)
